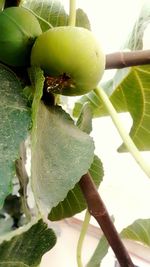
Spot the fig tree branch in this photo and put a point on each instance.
(98, 210)
(120, 60)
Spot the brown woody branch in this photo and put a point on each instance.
(98, 210)
(120, 60)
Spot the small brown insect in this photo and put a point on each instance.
(57, 84)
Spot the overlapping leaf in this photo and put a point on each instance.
(60, 156)
(50, 10)
(84, 121)
(132, 95)
(82, 19)
(54, 12)
(138, 231)
(15, 119)
(27, 248)
(75, 201)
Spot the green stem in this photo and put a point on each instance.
(124, 135)
(81, 238)
(2, 4)
(72, 13)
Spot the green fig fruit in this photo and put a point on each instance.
(18, 30)
(71, 57)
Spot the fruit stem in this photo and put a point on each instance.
(81, 238)
(72, 13)
(124, 135)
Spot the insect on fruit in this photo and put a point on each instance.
(71, 57)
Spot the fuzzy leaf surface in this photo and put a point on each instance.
(138, 231)
(61, 155)
(26, 249)
(15, 119)
(75, 201)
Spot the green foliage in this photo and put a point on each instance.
(134, 88)
(54, 13)
(75, 201)
(138, 231)
(50, 10)
(28, 246)
(82, 19)
(84, 121)
(15, 118)
(59, 148)
(61, 151)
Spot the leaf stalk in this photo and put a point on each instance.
(124, 135)
(81, 238)
(72, 13)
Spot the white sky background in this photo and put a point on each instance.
(125, 189)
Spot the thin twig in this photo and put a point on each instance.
(98, 210)
(120, 60)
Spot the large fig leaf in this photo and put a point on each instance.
(53, 12)
(27, 248)
(138, 231)
(60, 156)
(75, 201)
(15, 119)
(50, 10)
(132, 95)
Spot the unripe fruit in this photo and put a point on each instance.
(72, 56)
(18, 30)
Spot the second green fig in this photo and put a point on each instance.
(18, 30)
